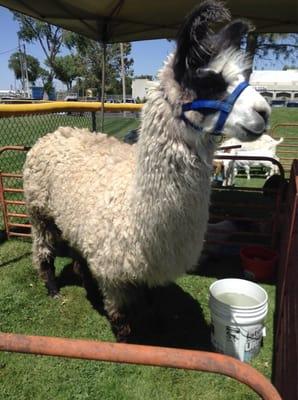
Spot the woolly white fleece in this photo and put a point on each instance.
(138, 214)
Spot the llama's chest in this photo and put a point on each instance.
(188, 227)
(171, 230)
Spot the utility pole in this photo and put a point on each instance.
(123, 76)
(26, 72)
(122, 73)
(22, 68)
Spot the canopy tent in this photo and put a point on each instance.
(111, 21)
(130, 20)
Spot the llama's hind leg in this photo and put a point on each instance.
(117, 303)
(128, 307)
(43, 253)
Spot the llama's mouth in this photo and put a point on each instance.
(256, 126)
(253, 133)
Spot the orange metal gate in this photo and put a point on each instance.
(286, 336)
(142, 355)
(11, 199)
(247, 207)
(288, 150)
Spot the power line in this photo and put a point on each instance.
(8, 51)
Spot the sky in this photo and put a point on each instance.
(148, 55)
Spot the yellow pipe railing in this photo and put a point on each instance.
(7, 110)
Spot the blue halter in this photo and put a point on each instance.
(225, 107)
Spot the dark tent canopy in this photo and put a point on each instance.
(131, 20)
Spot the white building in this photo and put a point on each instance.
(140, 88)
(273, 85)
(7, 93)
(276, 85)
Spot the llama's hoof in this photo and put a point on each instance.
(120, 326)
(52, 288)
(54, 294)
(123, 333)
(77, 268)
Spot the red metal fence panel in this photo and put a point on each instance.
(286, 337)
(15, 218)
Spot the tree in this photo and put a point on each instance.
(47, 80)
(86, 57)
(289, 67)
(273, 47)
(33, 66)
(50, 37)
(90, 54)
(67, 69)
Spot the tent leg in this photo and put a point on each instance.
(103, 85)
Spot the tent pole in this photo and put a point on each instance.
(103, 84)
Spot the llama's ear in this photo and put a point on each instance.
(232, 34)
(193, 40)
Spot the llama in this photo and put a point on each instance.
(264, 146)
(138, 214)
(231, 170)
(265, 142)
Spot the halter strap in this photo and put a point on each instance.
(225, 107)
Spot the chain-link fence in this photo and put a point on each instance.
(25, 130)
(23, 126)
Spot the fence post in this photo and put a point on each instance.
(93, 115)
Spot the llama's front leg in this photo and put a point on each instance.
(247, 171)
(230, 173)
(43, 256)
(93, 292)
(47, 273)
(272, 170)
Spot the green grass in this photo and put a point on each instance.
(283, 115)
(25, 308)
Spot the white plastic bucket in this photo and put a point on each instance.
(237, 329)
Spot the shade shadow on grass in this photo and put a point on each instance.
(225, 266)
(3, 236)
(179, 321)
(220, 267)
(14, 260)
(163, 316)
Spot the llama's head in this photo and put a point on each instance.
(211, 74)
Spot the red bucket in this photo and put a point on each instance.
(258, 262)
